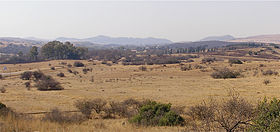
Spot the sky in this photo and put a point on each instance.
(176, 21)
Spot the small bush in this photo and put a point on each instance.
(266, 82)
(208, 60)
(69, 65)
(61, 117)
(235, 61)
(186, 67)
(27, 85)
(2, 90)
(143, 68)
(61, 74)
(2, 105)
(87, 106)
(26, 75)
(85, 70)
(270, 72)
(69, 70)
(52, 68)
(225, 73)
(157, 114)
(1, 77)
(48, 83)
(78, 64)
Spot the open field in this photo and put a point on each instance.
(163, 83)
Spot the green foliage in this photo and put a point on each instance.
(153, 114)
(267, 116)
(33, 53)
(58, 50)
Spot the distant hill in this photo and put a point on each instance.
(210, 44)
(105, 40)
(218, 38)
(274, 38)
(19, 41)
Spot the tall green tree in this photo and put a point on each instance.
(34, 53)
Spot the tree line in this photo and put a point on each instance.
(51, 51)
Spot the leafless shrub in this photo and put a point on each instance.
(86, 106)
(231, 114)
(69, 65)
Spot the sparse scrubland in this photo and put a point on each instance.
(219, 90)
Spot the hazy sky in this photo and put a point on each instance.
(177, 21)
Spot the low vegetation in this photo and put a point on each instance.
(235, 61)
(157, 114)
(225, 73)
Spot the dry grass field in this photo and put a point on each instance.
(163, 83)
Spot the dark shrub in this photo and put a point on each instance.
(27, 85)
(266, 81)
(2, 105)
(69, 70)
(225, 73)
(235, 61)
(2, 90)
(186, 67)
(270, 72)
(1, 77)
(153, 114)
(48, 83)
(61, 74)
(85, 70)
(143, 68)
(208, 60)
(38, 75)
(62, 117)
(52, 68)
(69, 65)
(75, 72)
(26, 75)
(78, 64)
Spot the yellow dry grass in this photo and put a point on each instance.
(167, 84)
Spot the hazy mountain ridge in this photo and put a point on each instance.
(218, 38)
(105, 40)
(272, 38)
